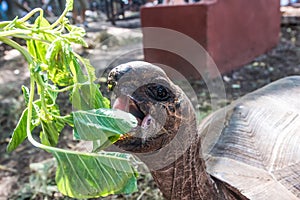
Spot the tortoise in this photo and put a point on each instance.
(251, 153)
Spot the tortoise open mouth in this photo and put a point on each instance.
(136, 111)
(129, 104)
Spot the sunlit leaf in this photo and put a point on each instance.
(38, 48)
(36, 113)
(89, 97)
(90, 69)
(81, 175)
(51, 95)
(25, 91)
(11, 24)
(76, 34)
(41, 22)
(69, 5)
(31, 48)
(78, 75)
(58, 58)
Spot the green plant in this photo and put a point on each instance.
(55, 68)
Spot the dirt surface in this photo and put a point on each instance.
(18, 181)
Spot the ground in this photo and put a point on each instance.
(18, 181)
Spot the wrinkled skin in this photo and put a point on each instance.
(166, 138)
(154, 102)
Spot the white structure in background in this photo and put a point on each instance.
(286, 2)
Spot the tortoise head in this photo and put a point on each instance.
(158, 104)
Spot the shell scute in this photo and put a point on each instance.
(258, 149)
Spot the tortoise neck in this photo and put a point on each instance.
(186, 178)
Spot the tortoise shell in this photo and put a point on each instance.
(250, 148)
(253, 144)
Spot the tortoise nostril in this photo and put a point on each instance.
(118, 72)
(115, 75)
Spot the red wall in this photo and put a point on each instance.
(232, 31)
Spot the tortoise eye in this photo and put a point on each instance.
(158, 92)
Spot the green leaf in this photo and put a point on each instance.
(19, 134)
(41, 22)
(31, 48)
(102, 124)
(39, 48)
(11, 25)
(75, 34)
(51, 130)
(59, 57)
(81, 175)
(68, 119)
(36, 113)
(25, 91)
(99, 146)
(90, 70)
(54, 49)
(88, 97)
(52, 61)
(51, 95)
(77, 72)
(69, 5)
(101, 101)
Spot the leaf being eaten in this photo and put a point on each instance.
(103, 125)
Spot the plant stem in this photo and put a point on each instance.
(29, 117)
(29, 114)
(63, 89)
(26, 37)
(58, 21)
(41, 85)
(21, 49)
(30, 14)
(39, 145)
(14, 32)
